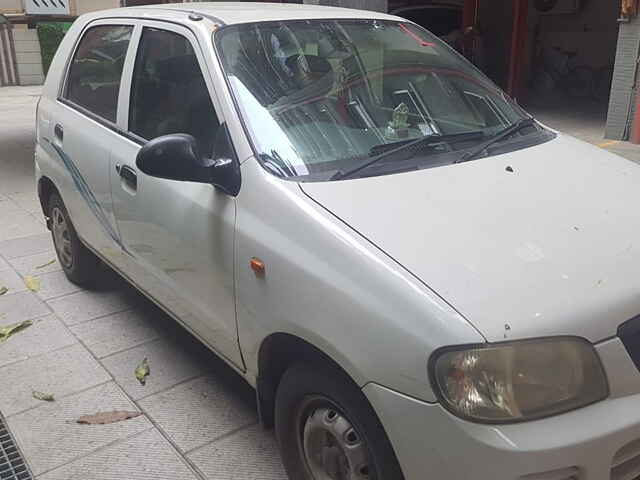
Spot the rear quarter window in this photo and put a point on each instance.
(95, 72)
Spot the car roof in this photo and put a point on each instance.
(245, 12)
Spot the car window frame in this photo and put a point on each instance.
(124, 104)
(116, 22)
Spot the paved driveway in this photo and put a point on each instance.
(199, 417)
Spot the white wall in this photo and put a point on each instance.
(10, 6)
(85, 6)
(593, 32)
(28, 58)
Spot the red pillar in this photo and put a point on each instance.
(518, 46)
(469, 13)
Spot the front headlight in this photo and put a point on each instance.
(518, 381)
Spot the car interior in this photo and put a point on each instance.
(169, 94)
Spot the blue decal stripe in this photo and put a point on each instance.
(87, 194)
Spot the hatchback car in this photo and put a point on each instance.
(417, 277)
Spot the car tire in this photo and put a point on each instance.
(324, 423)
(79, 264)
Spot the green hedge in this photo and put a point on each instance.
(50, 35)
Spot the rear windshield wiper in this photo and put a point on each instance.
(406, 147)
(501, 135)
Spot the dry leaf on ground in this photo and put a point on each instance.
(50, 262)
(103, 418)
(32, 283)
(45, 397)
(142, 371)
(7, 331)
(3, 290)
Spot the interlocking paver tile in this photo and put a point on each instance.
(170, 363)
(87, 305)
(251, 453)
(20, 247)
(55, 284)
(29, 265)
(50, 437)
(7, 206)
(19, 223)
(11, 280)
(147, 456)
(28, 201)
(21, 306)
(45, 335)
(201, 410)
(115, 333)
(60, 372)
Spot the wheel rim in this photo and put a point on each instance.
(62, 237)
(333, 449)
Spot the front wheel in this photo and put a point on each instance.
(327, 430)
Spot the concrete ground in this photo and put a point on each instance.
(199, 417)
(584, 119)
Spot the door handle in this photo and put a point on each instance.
(58, 131)
(128, 174)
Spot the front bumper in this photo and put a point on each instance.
(598, 442)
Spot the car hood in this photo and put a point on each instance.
(549, 248)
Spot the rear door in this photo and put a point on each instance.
(179, 236)
(82, 129)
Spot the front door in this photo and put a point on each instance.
(177, 236)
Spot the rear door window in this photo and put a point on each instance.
(168, 91)
(95, 73)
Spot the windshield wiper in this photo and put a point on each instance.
(501, 135)
(433, 139)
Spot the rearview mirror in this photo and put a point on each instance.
(177, 157)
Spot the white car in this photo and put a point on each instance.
(418, 278)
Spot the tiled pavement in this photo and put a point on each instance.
(199, 417)
(583, 119)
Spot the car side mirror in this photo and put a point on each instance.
(174, 157)
(177, 157)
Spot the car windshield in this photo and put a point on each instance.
(320, 97)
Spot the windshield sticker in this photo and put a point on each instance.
(420, 41)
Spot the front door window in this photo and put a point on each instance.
(168, 91)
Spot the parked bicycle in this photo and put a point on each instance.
(559, 71)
